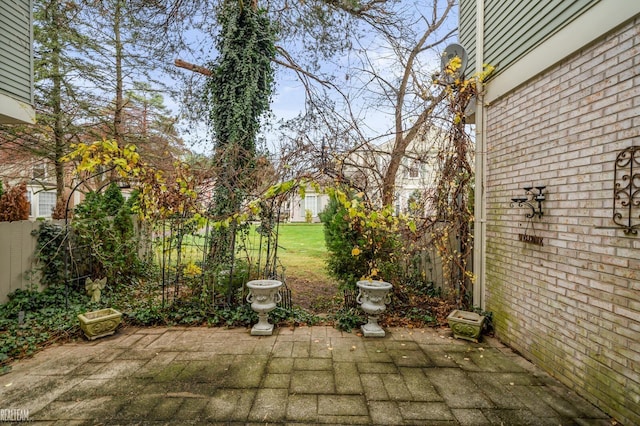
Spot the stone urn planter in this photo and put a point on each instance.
(100, 323)
(263, 295)
(466, 325)
(372, 297)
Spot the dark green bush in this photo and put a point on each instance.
(32, 319)
(50, 254)
(103, 226)
(346, 319)
(341, 239)
(343, 233)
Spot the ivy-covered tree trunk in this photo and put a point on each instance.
(238, 93)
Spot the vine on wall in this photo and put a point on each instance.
(452, 199)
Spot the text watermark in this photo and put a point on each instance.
(14, 415)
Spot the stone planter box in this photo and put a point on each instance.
(100, 323)
(466, 325)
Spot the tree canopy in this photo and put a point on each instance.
(365, 67)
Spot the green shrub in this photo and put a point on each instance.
(50, 254)
(341, 239)
(102, 225)
(362, 243)
(32, 319)
(346, 319)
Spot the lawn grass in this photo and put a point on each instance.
(302, 249)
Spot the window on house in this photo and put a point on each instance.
(313, 203)
(39, 172)
(46, 203)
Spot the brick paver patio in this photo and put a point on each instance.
(306, 375)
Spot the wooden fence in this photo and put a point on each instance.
(17, 261)
(17, 247)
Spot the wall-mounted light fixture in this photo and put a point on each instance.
(529, 198)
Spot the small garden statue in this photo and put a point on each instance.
(94, 287)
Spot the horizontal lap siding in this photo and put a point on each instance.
(467, 33)
(514, 28)
(15, 49)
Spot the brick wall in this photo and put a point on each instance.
(572, 305)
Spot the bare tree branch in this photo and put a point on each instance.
(192, 67)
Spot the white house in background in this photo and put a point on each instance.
(41, 191)
(417, 170)
(16, 63)
(562, 110)
(296, 208)
(415, 176)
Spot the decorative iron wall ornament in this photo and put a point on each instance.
(533, 200)
(626, 190)
(531, 197)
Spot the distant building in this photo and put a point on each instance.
(17, 166)
(365, 168)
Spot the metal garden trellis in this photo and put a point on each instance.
(254, 256)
